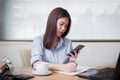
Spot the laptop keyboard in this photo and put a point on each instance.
(103, 74)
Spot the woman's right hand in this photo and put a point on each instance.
(69, 67)
(72, 66)
(35, 63)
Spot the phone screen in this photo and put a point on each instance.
(77, 48)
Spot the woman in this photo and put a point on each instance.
(53, 47)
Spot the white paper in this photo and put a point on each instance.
(80, 69)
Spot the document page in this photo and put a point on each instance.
(80, 69)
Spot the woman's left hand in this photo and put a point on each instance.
(73, 56)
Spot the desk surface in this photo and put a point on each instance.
(53, 76)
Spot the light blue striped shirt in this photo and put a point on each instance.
(56, 55)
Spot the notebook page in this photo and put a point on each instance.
(80, 69)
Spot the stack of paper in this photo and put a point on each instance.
(80, 69)
(2, 66)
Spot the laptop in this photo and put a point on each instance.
(103, 74)
(116, 75)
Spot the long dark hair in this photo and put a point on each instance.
(51, 26)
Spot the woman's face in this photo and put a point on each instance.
(62, 24)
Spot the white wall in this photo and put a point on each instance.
(93, 54)
(99, 53)
(11, 50)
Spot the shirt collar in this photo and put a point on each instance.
(60, 43)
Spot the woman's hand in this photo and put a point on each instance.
(35, 63)
(72, 66)
(73, 56)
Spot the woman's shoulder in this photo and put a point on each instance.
(38, 38)
(67, 40)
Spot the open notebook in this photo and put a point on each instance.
(80, 69)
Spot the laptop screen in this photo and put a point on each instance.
(117, 70)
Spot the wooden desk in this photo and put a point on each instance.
(53, 76)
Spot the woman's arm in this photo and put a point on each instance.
(63, 67)
(59, 67)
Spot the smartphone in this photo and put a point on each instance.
(77, 48)
(22, 76)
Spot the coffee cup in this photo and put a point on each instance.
(41, 68)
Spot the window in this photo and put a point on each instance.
(91, 20)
